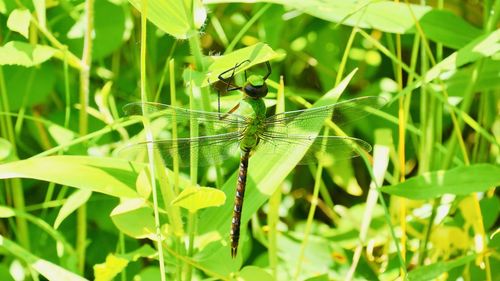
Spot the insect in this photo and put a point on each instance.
(248, 130)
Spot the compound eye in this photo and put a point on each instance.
(255, 91)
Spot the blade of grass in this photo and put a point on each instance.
(149, 138)
(273, 215)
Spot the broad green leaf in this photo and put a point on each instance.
(110, 268)
(110, 176)
(19, 21)
(458, 181)
(196, 198)
(439, 25)
(484, 46)
(249, 273)
(47, 269)
(433, 271)
(257, 54)
(266, 172)
(24, 54)
(488, 78)
(174, 17)
(29, 86)
(134, 217)
(74, 201)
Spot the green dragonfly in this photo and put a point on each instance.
(222, 136)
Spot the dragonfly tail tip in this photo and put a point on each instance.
(234, 252)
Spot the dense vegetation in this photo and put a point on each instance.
(77, 204)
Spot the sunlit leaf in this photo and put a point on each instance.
(19, 21)
(174, 17)
(256, 54)
(110, 268)
(73, 202)
(249, 273)
(196, 198)
(432, 271)
(458, 181)
(134, 218)
(110, 176)
(24, 54)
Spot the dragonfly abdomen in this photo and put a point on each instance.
(238, 201)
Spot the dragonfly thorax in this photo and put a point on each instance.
(255, 87)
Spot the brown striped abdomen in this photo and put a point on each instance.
(238, 202)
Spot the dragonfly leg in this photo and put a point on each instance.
(268, 70)
(231, 87)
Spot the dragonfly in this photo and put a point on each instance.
(247, 129)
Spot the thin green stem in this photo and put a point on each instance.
(81, 214)
(149, 138)
(247, 26)
(13, 186)
(275, 200)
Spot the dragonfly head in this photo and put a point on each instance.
(255, 87)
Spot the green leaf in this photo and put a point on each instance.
(196, 198)
(24, 54)
(257, 54)
(47, 269)
(488, 78)
(174, 17)
(433, 271)
(105, 175)
(73, 202)
(484, 46)
(29, 86)
(458, 181)
(447, 28)
(134, 217)
(254, 273)
(19, 21)
(110, 268)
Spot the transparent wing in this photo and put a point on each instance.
(301, 122)
(211, 150)
(218, 134)
(320, 148)
(209, 123)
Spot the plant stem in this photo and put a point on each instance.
(81, 238)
